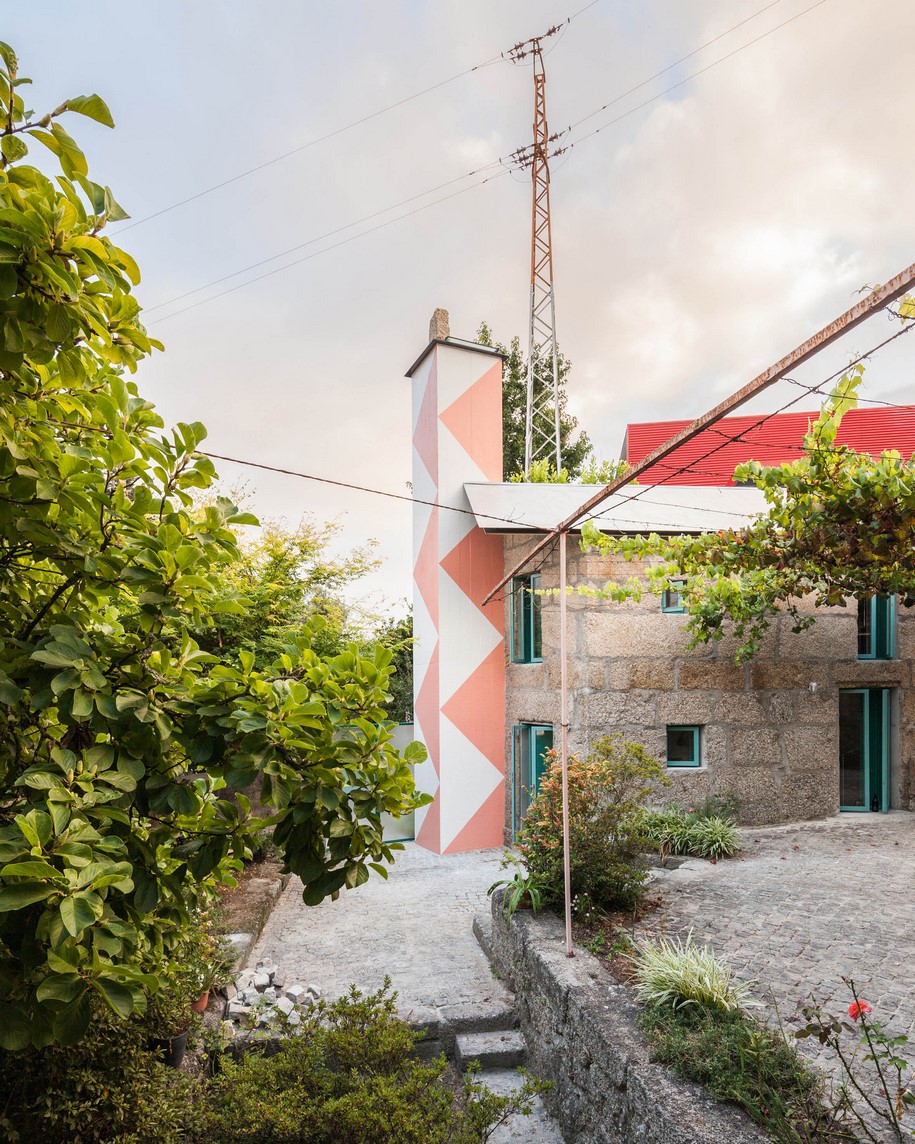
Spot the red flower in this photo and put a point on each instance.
(857, 1008)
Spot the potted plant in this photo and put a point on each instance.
(523, 891)
(211, 965)
(168, 1015)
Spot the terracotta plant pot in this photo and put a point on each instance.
(200, 1004)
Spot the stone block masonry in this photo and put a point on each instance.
(769, 728)
(581, 1034)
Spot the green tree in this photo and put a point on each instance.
(397, 636)
(839, 526)
(287, 578)
(575, 446)
(119, 736)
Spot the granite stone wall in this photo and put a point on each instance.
(768, 733)
(581, 1034)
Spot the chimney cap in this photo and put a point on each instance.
(439, 328)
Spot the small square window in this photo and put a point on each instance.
(526, 629)
(683, 745)
(876, 627)
(671, 600)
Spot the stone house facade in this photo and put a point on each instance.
(817, 722)
(777, 731)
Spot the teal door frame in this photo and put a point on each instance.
(874, 745)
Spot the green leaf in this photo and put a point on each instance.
(72, 1022)
(118, 996)
(57, 987)
(72, 160)
(93, 106)
(18, 897)
(76, 914)
(15, 1030)
(13, 147)
(33, 869)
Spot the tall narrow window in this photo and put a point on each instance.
(530, 744)
(877, 627)
(527, 640)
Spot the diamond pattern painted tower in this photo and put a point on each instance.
(458, 656)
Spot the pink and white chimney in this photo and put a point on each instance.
(459, 654)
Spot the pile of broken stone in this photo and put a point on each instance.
(261, 1000)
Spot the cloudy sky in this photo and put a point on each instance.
(724, 211)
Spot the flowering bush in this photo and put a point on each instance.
(886, 1089)
(606, 793)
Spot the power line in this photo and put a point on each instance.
(676, 63)
(321, 237)
(517, 157)
(306, 146)
(324, 250)
(768, 416)
(329, 135)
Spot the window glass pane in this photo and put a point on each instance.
(519, 627)
(683, 745)
(852, 749)
(535, 619)
(865, 634)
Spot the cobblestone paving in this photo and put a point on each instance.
(805, 905)
(415, 927)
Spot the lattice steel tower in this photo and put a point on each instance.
(541, 430)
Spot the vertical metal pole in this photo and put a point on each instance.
(564, 739)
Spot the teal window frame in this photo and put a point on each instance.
(530, 742)
(526, 620)
(695, 759)
(672, 601)
(875, 763)
(877, 627)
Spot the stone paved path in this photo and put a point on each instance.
(806, 904)
(416, 928)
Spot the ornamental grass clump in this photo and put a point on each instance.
(693, 832)
(679, 973)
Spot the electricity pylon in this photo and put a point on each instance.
(541, 426)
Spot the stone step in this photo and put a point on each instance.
(538, 1128)
(482, 931)
(494, 1049)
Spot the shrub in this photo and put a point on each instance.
(350, 1077)
(679, 973)
(691, 832)
(738, 1059)
(113, 1090)
(606, 794)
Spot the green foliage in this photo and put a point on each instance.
(738, 1059)
(837, 527)
(606, 794)
(677, 831)
(114, 1089)
(521, 890)
(286, 577)
(119, 737)
(679, 973)
(350, 1077)
(575, 448)
(397, 636)
(593, 472)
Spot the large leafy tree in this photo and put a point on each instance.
(574, 445)
(288, 577)
(120, 738)
(838, 526)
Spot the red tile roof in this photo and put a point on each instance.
(712, 456)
